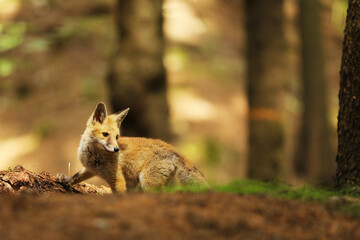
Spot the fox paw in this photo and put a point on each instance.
(63, 178)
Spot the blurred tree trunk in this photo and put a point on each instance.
(348, 156)
(137, 77)
(314, 150)
(265, 57)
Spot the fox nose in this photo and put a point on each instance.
(116, 149)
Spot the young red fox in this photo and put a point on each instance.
(128, 161)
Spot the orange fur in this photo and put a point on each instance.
(128, 161)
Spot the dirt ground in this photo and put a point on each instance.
(37, 206)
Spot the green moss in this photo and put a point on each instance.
(274, 189)
(281, 190)
(345, 200)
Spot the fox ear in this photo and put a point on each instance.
(100, 113)
(120, 116)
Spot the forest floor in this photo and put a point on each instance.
(37, 206)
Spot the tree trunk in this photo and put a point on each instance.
(265, 57)
(137, 77)
(314, 147)
(348, 156)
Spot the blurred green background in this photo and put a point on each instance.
(55, 57)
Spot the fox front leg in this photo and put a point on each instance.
(117, 182)
(78, 177)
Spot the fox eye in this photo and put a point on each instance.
(117, 136)
(105, 134)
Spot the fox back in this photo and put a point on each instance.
(153, 163)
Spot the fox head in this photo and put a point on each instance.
(105, 129)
